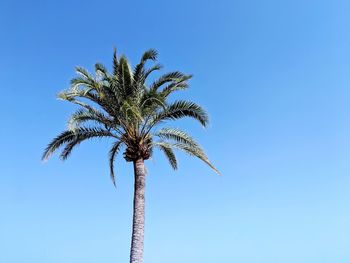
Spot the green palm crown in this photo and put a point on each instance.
(123, 106)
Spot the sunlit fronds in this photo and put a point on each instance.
(71, 98)
(125, 78)
(102, 98)
(177, 136)
(131, 113)
(197, 152)
(101, 70)
(79, 82)
(84, 115)
(83, 72)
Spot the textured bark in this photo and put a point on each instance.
(136, 253)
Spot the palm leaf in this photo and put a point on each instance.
(181, 109)
(189, 149)
(72, 138)
(57, 142)
(172, 76)
(112, 154)
(152, 69)
(91, 114)
(178, 136)
(115, 62)
(168, 152)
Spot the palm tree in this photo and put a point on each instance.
(126, 108)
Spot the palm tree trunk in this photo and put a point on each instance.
(136, 253)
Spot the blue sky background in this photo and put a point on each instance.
(275, 78)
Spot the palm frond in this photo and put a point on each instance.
(180, 85)
(152, 69)
(79, 81)
(181, 109)
(197, 152)
(107, 103)
(172, 76)
(115, 62)
(84, 73)
(168, 152)
(57, 142)
(150, 54)
(71, 98)
(101, 70)
(150, 101)
(72, 138)
(177, 136)
(191, 150)
(112, 154)
(125, 77)
(91, 114)
(140, 72)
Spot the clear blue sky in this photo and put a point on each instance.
(275, 78)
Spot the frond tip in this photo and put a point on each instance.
(196, 152)
(57, 142)
(150, 54)
(192, 150)
(181, 109)
(72, 138)
(178, 136)
(112, 154)
(169, 154)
